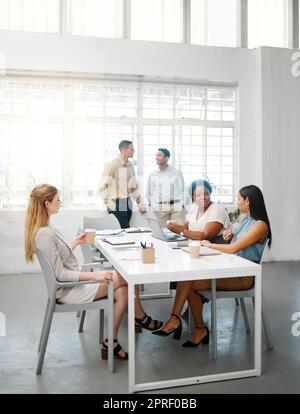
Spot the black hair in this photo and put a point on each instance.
(124, 144)
(196, 183)
(165, 152)
(257, 206)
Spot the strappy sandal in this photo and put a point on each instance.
(145, 323)
(117, 349)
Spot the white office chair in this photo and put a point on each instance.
(91, 260)
(108, 221)
(237, 295)
(52, 306)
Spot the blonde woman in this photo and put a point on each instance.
(44, 201)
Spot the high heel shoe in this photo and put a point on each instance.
(204, 341)
(117, 349)
(177, 331)
(145, 323)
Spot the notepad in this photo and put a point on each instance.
(108, 232)
(117, 241)
(138, 230)
(204, 251)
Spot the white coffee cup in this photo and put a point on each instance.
(194, 249)
(90, 235)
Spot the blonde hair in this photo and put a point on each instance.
(37, 215)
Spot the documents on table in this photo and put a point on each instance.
(138, 230)
(117, 241)
(109, 232)
(204, 251)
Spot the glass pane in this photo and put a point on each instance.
(267, 23)
(159, 20)
(82, 125)
(158, 102)
(214, 22)
(30, 15)
(100, 18)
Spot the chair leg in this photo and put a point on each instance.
(101, 327)
(43, 327)
(269, 341)
(78, 314)
(80, 329)
(44, 341)
(214, 319)
(245, 316)
(237, 301)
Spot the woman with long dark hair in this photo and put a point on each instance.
(248, 241)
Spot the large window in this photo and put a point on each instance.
(100, 18)
(267, 23)
(214, 22)
(65, 133)
(30, 15)
(211, 22)
(156, 20)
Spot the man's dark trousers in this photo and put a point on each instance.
(123, 211)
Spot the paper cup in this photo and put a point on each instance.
(90, 236)
(194, 249)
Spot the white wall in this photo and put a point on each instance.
(44, 52)
(280, 94)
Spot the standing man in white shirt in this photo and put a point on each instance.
(165, 190)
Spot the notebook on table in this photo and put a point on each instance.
(108, 232)
(138, 230)
(118, 241)
(204, 251)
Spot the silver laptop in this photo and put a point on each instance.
(159, 233)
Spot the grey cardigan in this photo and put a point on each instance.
(59, 254)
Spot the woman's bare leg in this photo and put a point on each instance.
(182, 292)
(139, 310)
(120, 302)
(196, 307)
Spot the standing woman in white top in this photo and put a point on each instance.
(206, 220)
(44, 201)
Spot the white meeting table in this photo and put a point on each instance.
(176, 265)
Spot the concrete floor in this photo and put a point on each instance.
(73, 363)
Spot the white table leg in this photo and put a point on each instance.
(257, 324)
(110, 327)
(131, 338)
(214, 334)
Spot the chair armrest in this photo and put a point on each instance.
(85, 266)
(78, 283)
(82, 282)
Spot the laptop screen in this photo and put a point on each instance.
(156, 228)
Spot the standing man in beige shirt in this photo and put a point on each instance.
(119, 184)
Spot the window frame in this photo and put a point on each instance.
(68, 120)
